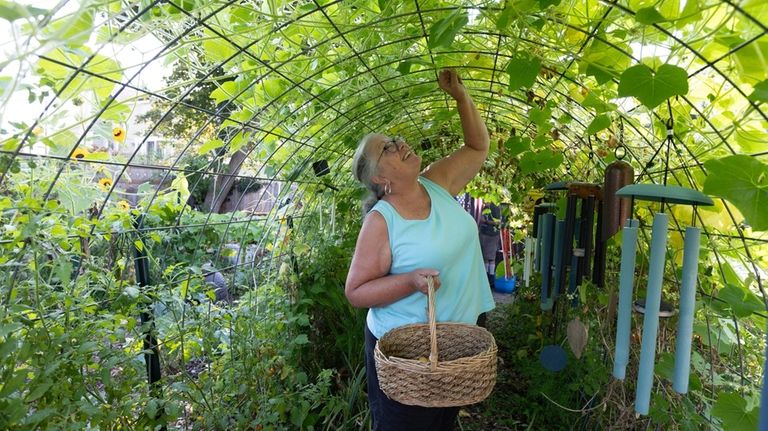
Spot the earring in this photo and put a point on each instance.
(388, 188)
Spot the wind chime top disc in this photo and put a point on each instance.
(662, 193)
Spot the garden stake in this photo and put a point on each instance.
(151, 353)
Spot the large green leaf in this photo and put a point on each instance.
(225, 92)
(742, 302)
(216, 48)
(547, 3)
(210, 146)
(106, 67)
(12, 11)
(691, 13)
(522, 72)
(73, 30)
(760, 93)
(594, 101)
(100, 67)
(118, 112)
(649, 16)
(650, 88)
(751, 60)
(601, 122)
(541, 161)
(743, 181)
(505, 16)
(731, 409)
(541, 117)
(444, 30)
(517, 145)
(605, 61)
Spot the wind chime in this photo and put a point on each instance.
(572, 262)
(577, 259)
(666, 195)
(559, 254)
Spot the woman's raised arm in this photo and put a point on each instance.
(455, 171)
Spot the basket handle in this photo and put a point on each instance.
(432, 323)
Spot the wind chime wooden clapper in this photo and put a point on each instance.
(667, 195)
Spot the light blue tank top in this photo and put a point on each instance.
(447, 240)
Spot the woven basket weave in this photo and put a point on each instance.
(464, 373)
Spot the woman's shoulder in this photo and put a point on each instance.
(383, 210)
(434, 187)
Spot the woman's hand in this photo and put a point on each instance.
(419, 279)
(450, 82)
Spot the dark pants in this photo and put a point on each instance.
(389, 415)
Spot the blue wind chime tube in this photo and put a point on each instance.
(546, 258)
(626, 283)
(651, 318)
(558, 257)
(687, 308)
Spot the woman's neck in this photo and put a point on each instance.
(406, 190)
(411, 202)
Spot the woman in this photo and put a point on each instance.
(414, 230)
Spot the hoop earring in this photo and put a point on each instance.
(388, 188)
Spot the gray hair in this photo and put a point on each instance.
(364, 169)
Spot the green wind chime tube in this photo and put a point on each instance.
(687, 308)
(651, 318)
(626, 283)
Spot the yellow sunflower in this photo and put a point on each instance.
(105, 184)
(124, 205)
(119, 134)
(79, 153)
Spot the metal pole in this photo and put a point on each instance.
(151, 353)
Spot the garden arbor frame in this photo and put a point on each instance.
(300, 82)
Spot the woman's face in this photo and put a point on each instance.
(394, 157)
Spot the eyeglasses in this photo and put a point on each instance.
(391, 146)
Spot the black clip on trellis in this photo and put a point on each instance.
(151, 352)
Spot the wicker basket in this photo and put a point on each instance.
(464, 374)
